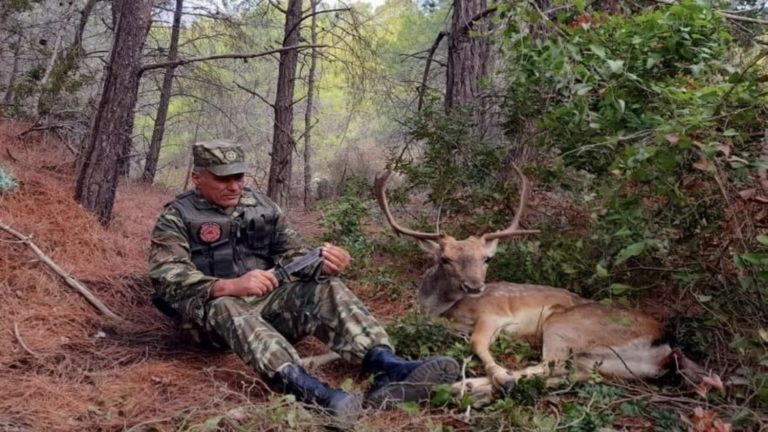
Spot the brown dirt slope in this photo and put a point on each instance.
(65, 367)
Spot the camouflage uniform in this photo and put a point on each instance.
(183, 266)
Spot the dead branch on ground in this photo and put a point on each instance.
(72, 282)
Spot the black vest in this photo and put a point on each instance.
(225, 245)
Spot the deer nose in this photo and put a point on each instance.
(472, 288)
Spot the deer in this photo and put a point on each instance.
(577, 336)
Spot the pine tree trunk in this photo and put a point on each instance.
(308, 112)
(468, 57)
(150, 165)
(279, 184)
(64, 64)
(8, 96)
(110, 136)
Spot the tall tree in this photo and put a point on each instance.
(8, 95)
(150, 165)
(279, 183)
(110, 138)
(310, 108)
(64, 62)
(468, 57)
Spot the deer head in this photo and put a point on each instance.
(460, 265)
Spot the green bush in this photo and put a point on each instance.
(343, 220)
(7, 181)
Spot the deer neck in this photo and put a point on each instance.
(437, 292)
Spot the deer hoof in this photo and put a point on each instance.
(508, 387)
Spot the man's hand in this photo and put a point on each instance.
(336, 259)
(254, 283)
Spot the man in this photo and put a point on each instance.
(215, 258)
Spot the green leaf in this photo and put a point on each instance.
(755, 258)
(441, 395)
(411, 408)
(652, 61)
(581, 89)
(601, 271)
(762, 239)
(212, 423)
(630, 251)
(615, 66)
(598, 50)
(730, 132)
(618, 289)
(545, 423)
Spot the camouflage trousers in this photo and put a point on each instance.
(261, 330)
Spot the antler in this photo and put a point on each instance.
(379, 188)
(512, 229)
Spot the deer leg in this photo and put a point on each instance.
(481, 389)
(482, 337)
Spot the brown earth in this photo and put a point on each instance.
(65, 367)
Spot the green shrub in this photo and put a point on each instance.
(7, 180)
(343, 220)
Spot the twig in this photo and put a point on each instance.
(21, 341)
(72, 282)
(427, 65)
(177, 63)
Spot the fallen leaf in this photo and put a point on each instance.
(702, 164)
(672, 138)
(706, 421)
(725, 149)
(747, 194)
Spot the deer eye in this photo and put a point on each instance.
(487, 259)
(445, 260)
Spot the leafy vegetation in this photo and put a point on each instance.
(343, 221)
(7, 181)
(651, 123)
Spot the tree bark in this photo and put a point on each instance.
(8, 96)
(110, 138)
(63, 63)
(309, 109)
(279, 185)
(54, 60)
(150, 165)
(468, 57)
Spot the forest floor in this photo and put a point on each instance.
(65, 367)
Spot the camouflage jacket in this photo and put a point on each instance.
(176, 278)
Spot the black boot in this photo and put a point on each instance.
(293, 379)
(398, 380)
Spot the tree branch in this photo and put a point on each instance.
(177, 63)
(254, 93)
(72, 282)
(427, 66)
(276, 6)
(471, 23)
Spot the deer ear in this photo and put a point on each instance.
(490, 247)
(430, 246)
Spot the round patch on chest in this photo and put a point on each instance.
(209, 232)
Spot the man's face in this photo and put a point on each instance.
(224, 191)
